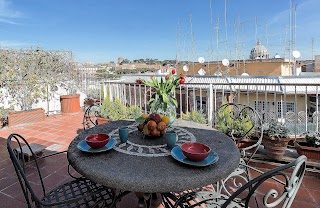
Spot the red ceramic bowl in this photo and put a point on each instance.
(97, 141)
(195, 151)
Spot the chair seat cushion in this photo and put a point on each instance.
(81, 193)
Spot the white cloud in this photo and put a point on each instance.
(10, 44)
(8, 13)
(8, 21)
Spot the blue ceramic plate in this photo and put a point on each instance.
(177, 154)
(83, 146)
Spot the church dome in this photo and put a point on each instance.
(259, 52)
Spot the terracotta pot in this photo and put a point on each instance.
(102, 120)
(312, 153)
(26, 117)
(275, 148)
(70, 103)
(247, 142)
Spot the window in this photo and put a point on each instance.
(262, 105)
(285, 107)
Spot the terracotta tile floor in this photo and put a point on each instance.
(57, 131)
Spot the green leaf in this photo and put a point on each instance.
(140, 120)
(165, 98)
(174, 101)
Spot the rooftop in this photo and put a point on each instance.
(57, 131)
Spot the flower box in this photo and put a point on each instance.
(70, 103)
(312, 153)
(26, 117)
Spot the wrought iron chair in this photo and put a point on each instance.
(248, 193)
(80, 192)
(90, 116)
(234, 115)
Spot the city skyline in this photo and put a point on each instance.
(101, 31)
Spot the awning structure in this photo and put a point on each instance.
(270, 84)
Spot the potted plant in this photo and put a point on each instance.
(162, 100)
(70, 103)
(237, 126)
(275, 139)
(311, 147)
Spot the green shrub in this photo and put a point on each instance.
(5, 111)
(133, 112)
(234, 125)
(195, 116)
(118, 111)
(276, 129)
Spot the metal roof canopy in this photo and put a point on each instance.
(271, 84)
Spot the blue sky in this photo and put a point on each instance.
(102, 30)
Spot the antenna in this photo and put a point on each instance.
(192, 42)
(225, 25)
(217, 40)
(256, 28)
(312, 49)
(178, 55)
(211, 38)
(267, 35)
(236, 44)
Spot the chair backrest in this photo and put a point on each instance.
(21, 167)
(240, 122)
(90, 116)
(272, 197)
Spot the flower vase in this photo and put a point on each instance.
(170, 111)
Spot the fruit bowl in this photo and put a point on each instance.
(96, 141)
(153, 125)
(195, 151)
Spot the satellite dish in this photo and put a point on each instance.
(201, 60)
(296, 54)
(244, 74)
(225, 62)
(185, 68)
(277, 56)
(201, 72)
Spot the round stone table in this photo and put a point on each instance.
(145, 165)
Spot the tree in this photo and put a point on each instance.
(32, 75)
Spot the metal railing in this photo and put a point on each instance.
(295, 104)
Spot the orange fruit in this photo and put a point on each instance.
(146, 130)
(161, 126)
(155, 132)
(144, 115)
(166, 119)
(163, 131)
(151, 125)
